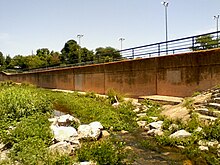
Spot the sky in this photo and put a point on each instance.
(28, 25)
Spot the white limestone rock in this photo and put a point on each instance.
(156, 125)
(88, 132)
(203, 148)
(62, 133)
(155, 132)
(141, 114)
(63, 148)
(180, 134)
(96, 125)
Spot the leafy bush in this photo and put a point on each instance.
(88, 109)
(18, 102)
(212, 131)
(188, 103)
(102, 152)
(36, 126)
(113, 95)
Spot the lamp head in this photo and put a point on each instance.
(165, 3)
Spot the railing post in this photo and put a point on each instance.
(133, 53)
(158, 49)
(193, 43)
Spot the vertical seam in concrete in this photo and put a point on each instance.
(104, 78)
(156, 76)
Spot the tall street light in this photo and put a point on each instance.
(121, 40)
(79, 36)
(216, 17)
(165, 3)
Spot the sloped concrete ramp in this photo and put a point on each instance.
(162, 99)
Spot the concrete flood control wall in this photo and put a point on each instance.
(174, 75)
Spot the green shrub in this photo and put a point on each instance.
(18, 102)
(188, 103)
(114, 96)
(88, 109)
(212, 131)
(36, 126)
(29, 151)
(102, 152)
(154, 109)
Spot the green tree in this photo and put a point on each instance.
(7, 61)
(44, 52)
(106, 54)
(18, 61)
(86, 55)
(2, 59)
(44, 55)
(70, 54)
(54, 58)
(33, 61)
(205, 42)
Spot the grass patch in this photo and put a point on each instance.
(102, 152)
(89, 109)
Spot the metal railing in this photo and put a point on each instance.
(182, 45)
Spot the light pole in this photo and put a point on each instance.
(165, 3)
(79, 36)
(216, 17)
(121, 40)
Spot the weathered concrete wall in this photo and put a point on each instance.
(174, 75)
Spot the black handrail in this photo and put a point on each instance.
(181, 45)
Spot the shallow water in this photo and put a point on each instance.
(148, 155)
(145, 155)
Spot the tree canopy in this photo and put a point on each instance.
(71, 53)
(205, 42)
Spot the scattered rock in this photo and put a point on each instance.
(155, 132)
(136, 104)
(63, 148)
(116, 105)
(62, 133)
(213, 143)
(173, 127)
(156, 125)
(64, 120)
(180, 147)
(180, 134)
(136, 110)
(88, 132)
(203, 148)
(199, 129)
(141, 114)
(153, 118)
(85, 163)
(96, 125)
(146, 128)
(124, 132)
(218, 153)
(142, 124)
(105, 133)
(4, 155)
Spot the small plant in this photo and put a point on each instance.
(212, 131)
(188, 103)
(196, 93)
(114, 96)
(102, 152)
